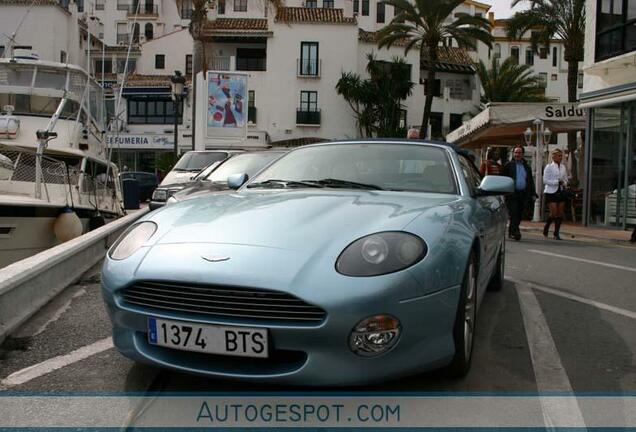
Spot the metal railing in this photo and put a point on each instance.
(307, 117)
(308, 68)
(99, 5)
(143, 9)
(123, 38)
(220, 63)
(123, 5)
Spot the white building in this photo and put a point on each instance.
(609, 94)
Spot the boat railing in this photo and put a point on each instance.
(20, 166)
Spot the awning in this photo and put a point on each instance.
(503, 124)
(607, 101)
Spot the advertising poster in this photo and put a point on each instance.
(227, 105)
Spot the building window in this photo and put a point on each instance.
(497, 51)
(456, 121)
(106, 65)
(555, 77)
(308, 59)
(311, 3)
(459, 88)
(580, 80)
(437, 88)
(403, 119)
(327, 4)
(188, 64)
(365, 7)
(615, 28)
(240, 5)
(135, 38)
(308, 112)
(543, 53)
(529, 57)
(99, 5)
(1, 51)
(148, 31)
(543, 80)
(356, 6)
(121, 65)
(514, 53)
(63, 56)
(186, 9)
(250, 59)
(380, 12)
(80, 6)
(152, 110)
(221, 7)
(555, 56)
(436, 122)
(251, 106)
(160, 61)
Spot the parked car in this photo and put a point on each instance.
(214, 179)
(193, 162)
(340, 263)
(147, 183)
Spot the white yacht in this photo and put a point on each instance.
(53, 160)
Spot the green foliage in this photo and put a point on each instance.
(377, 101)
(424, 25)
(509, 82)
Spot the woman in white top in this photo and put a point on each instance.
(555, 179)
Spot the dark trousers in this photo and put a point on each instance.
(516, 205)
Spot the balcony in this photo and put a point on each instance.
(220, 63)
(251, 115)
(144, 10)
(308, 68)
(123, 38)
(307, 118)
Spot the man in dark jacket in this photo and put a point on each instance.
(519, 171)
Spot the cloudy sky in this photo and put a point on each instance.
(502, 9)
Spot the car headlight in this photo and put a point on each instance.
(172, 200)
(160, 195)
(381, 253)
(132, 240)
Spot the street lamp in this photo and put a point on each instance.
(177, 82)
(543, 137)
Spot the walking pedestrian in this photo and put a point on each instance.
(555, 178)
(490, 166)
(519, 171)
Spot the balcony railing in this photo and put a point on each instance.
(123, 5)
(308, 68)
(99, 6)
(308, 117)
(251, 114)
(220, 63)
(123, 38)
(144, 9)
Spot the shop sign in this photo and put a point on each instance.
(150, 142)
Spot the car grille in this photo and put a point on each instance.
(222, 301)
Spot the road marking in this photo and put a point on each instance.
(52, 364)
(604, 264)
(549, 372)
(576, 298)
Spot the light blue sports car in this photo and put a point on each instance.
(340, 263)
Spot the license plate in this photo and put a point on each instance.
(211, 339)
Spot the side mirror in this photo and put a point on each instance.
(235, 181)
(496, 185)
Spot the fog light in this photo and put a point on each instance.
(375, 335)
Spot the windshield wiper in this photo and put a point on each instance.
(337, 183)
(274, 183)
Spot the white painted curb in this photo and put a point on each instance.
(29, 284)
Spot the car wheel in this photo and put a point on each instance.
(497, 281)
(465, 321)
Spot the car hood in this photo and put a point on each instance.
(198, 189)
(292, 219)
(177, 177)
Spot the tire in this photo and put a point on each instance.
(497, 281)
(465, 322)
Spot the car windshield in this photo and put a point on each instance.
(196, 161)
(246, 163)
(402, 167)
(206, 172)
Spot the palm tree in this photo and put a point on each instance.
(565, 20)
(509, 82)
(422, 24)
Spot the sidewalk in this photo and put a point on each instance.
(570, 230)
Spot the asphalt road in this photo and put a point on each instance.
(564, 321)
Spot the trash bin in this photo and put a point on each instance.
(130, 190)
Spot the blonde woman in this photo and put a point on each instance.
(555, 179)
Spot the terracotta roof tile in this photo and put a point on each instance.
(313, 15)
(234, 25)
(372, 37)
(451, 59)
